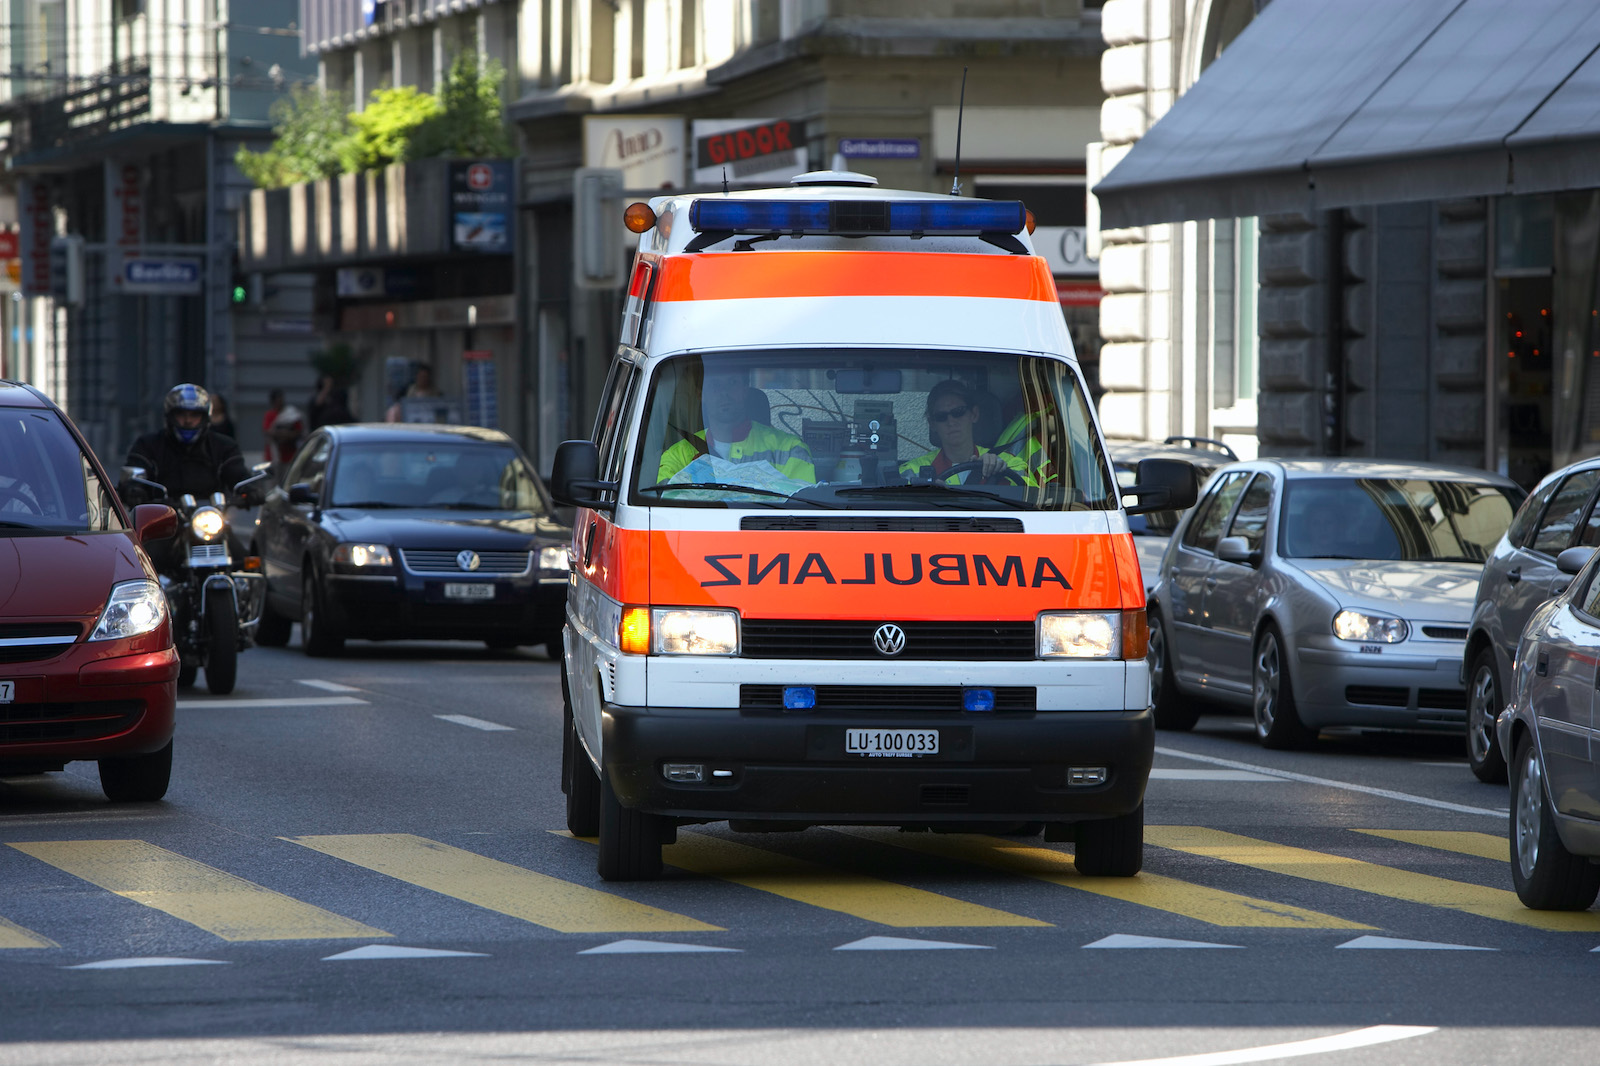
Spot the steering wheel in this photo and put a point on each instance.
(8, 493)
(1005, 473)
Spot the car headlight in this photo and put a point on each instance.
(1369, 628)
(554, 558)
(207, 523)
(363, 555)
(1080, 635)
(134, 609)
(678, 631)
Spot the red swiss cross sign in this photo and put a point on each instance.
(480, 176)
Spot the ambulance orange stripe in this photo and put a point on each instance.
(908, 577)
(754, 275)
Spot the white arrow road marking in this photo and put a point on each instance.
(1322, 1045)
(394, 951)
(1404, 797)
(902, 943)
(1407, 945)
(299, 701)
(328, 686)
(475, 723)
(139, 964)
(1162, 773)
(1128, 940)
(650, 947)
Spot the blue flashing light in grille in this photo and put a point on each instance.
(859, 217)
(978, 699)
(804, 697)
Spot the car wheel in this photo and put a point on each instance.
(222, 642)
(630, 841)
(273, 630)
(1483, 707)
(1547, 876)
(1278, 724)
(578, 779)
(137, 778)
(1172, 710)
(1110, 847)
(318, 635)
(187, 672)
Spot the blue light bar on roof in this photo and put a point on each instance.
(859, 218)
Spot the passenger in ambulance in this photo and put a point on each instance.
(953, 416)
(733, 432)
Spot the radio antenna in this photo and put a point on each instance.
(724, 179)
(955, 186)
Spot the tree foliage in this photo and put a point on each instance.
(471, 121)
(382, 133)
(309, 128)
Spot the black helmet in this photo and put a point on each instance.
(187, 398)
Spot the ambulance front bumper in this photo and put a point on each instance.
(794, 767)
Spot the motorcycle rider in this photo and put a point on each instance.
(187, 455)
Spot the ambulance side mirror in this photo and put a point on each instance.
(574, 476)
(1164, 485)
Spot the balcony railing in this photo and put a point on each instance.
(110, 100)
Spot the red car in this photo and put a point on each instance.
(87, 666)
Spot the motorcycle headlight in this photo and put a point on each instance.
(363, 555)
(1080, 635)
(682, 631)
(1369, 628)
(134, 609)
(207, 523)
(554, 558)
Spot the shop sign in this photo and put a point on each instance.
(124, 221)
(748, 150)
(880, 148)
(648, 149)
(151, 276)
(359, 281)
(480, 206)
(1065, 249)
(8, 244)
(38, 226)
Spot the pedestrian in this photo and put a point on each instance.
(422, 386)
(330, 404)
(282, 427)
(221, 420)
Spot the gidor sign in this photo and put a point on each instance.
(751, 150)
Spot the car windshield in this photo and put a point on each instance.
(47, 484)
(1393, 518)
(458, 475)
(879, 429)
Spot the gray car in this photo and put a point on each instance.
(1519, 575)
(1323, 593)
(1550, 736)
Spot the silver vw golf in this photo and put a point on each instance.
(1324, 592)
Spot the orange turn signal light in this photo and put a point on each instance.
(1031, 221)
(638, 217)
(252, 562)
(633, 634)
(1135, 634)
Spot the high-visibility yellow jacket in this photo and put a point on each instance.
(784, 451)
(1017, 439)
(922, 466)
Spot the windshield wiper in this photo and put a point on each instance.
(372, 504)
(937, 486)
(729, 487)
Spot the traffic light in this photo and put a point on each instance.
(240, 291)
(598, 252)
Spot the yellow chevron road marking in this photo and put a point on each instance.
(1483, 845)
(14, 936)
(499, 886)
(1210, 905)
(218, 902)
(1495, 903)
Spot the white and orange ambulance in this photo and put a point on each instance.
(848, 549)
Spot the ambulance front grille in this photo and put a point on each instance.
(763, 638)
(910, 698)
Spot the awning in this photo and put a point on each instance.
(1319, 105)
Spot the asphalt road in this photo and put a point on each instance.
(1343, 906)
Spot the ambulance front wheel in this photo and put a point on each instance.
(630, 841)
(1111, 847)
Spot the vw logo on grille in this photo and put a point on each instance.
(468, 560)
(889, 639)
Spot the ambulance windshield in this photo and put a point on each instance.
(872, 429)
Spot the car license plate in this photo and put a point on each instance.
(891, 743)
(460, 590)
(8, 691)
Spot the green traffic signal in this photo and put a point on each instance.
(240, 294)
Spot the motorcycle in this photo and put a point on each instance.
(214, 592)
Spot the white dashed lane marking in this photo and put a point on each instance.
(328, 686)
(247, 705)
(475, 723)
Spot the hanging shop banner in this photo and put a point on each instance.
(648, 149)
(38, 226)
(480, 388)
(124, 184)
(748, 150)
(480, 206)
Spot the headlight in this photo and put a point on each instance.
(134, 609)
(1080, 635)
(363, 555)
(554, 558)
(678, 631)
(207, 522)
(1369, 628)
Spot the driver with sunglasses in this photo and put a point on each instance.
(952, 414)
